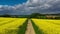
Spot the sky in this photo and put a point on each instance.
(11, 2)
(25, 7)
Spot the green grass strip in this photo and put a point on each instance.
(23, 28)
(36, 28)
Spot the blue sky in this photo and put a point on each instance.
(11, 2)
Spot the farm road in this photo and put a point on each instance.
(30, 29)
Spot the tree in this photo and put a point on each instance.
(34, 15)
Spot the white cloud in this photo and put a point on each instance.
(1, 6)
(42, 6)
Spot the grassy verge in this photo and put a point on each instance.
(22, 28)
(36, 28)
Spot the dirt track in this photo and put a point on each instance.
(30, 29)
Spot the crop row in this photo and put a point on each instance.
(10, 25)
(47, 26)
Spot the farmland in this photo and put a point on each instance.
(11, 25)
(47, 26)
(27, 25)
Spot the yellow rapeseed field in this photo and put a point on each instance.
(48, 26)
(7, 24)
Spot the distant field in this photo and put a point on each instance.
(10, 25)
(47, 26)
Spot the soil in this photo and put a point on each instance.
(30, 29)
